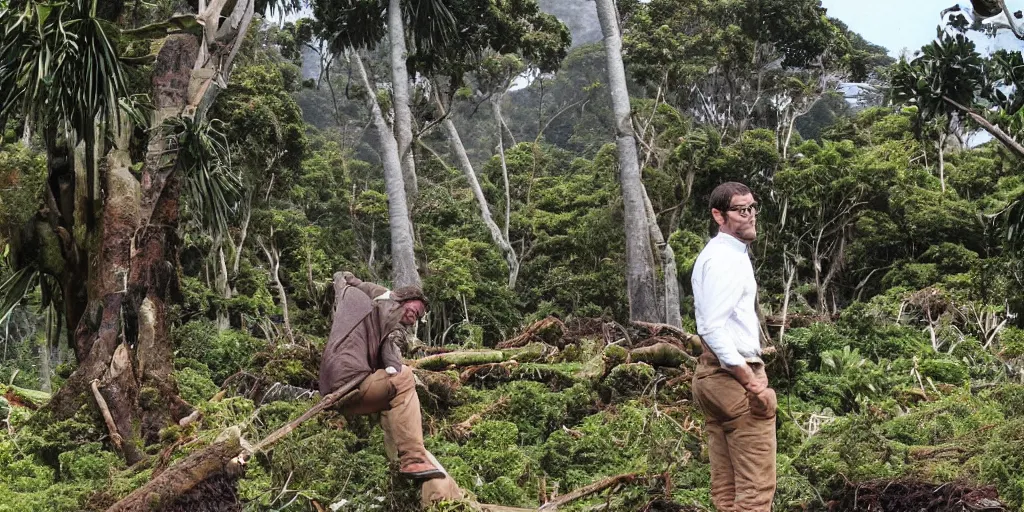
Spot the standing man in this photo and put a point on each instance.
(368, 325)
(730, 385)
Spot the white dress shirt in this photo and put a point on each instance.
(724, 296)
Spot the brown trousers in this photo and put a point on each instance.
(395, 398)
(741, 443)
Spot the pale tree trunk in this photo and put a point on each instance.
(462, 159)
(816, 259)
(496, 109)
(400, 88)
(673, 316)
(941, 147)
(274, 270)
(403, 256)
(222, 288)
(789, 137)
(640, 279)
(26, 134)
(997, 132)
(790, 270)
(243, 233)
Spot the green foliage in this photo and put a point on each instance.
(195, 386)
(22, 173)
(223, 352)
(945, 370)
(62, 65)
(210, 185)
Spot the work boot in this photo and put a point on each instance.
(420, 471)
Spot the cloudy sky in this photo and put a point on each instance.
(906, 24)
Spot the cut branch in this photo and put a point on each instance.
(340, 396)
(178, 480)
(585, 491)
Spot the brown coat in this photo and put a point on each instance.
(362, 334)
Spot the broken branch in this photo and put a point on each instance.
(340, 396)
(115, 437)
(587, 490)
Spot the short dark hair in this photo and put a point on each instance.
(721, 196)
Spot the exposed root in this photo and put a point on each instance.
(549, 330)
(902, 495)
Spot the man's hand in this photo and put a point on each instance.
(754, 382)
(763, 404)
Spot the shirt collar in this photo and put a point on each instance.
(732, 242)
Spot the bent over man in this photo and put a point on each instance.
(369, 321)
(730, 385)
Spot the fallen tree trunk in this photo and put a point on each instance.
(461, 358)
(661, 354)
(162, 491)
(226, 457)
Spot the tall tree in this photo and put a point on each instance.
(115, 235)
(401, 99)
(641, 281)
(403, 257)
(357, 24)
(508, 41)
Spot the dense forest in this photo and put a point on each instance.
(181, 180)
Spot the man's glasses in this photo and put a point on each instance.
(745, 211)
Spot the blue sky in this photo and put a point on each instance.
(899, 24)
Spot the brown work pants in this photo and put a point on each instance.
(741, 443)
(395, 398)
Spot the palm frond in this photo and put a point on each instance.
(210, 188)
(430, 23)
(58, 62)
(14, 290)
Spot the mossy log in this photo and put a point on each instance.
(460, 358)
(661, 354)
(161, 492)
(21, 397)
(225, 457)
(558, 376)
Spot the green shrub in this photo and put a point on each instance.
(89, 462)
(944, 370)
(223, 352)
(194, 386)
(493, 451)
